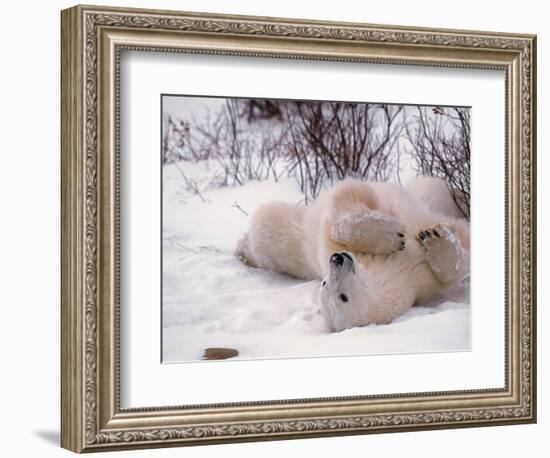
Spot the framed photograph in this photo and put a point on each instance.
(277, 228)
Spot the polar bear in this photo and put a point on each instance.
(378, 247)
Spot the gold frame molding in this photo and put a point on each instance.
(92, 40)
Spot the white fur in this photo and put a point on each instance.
(382, 227)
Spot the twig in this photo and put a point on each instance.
(172, 239)
(238, 207)
(190, 184)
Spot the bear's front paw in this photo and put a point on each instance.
(370, 232)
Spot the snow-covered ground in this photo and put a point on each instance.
(211, 299)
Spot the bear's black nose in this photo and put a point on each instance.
(337, 259)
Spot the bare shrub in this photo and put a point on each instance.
(244, 156)
(440, 141)
(319, 143)
(328, 141)
(175, 138)
(255, 109)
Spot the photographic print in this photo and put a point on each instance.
(302, 228)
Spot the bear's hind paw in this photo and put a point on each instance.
(444, 252)
(242, 252)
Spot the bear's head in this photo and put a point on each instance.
(343, 296)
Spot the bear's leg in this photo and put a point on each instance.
(244, 253)
(274, 241)
(436, 195)
(357, 224)
(445, 252)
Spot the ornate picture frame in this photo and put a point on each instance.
(93, 39)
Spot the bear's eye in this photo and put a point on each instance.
(344, 297)
(324, 283)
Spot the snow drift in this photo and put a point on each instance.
(211, 299)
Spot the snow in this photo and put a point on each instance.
(211, 299)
